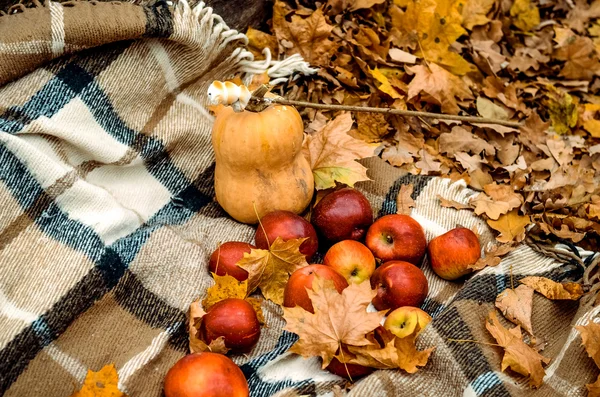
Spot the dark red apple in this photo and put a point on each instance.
(451, 254)
(233, 319)
(225, 258)
(205, 375)
(344, 214)
(295, 293)
(398, 284)
(397, 237)
(348, 371)
(287, 225)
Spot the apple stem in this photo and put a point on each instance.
(345, 365)
(218, 257)
(261, 225)
(472, 341)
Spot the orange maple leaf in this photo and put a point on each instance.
(103, 383)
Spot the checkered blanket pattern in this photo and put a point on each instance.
(108, 216)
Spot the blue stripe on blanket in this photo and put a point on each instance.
(485, 383)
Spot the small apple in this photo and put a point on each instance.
(405, 320)
(348, 371)
(451, 254)
(344, 214)
(225, 258)
(295, 293)
(397, 237)
(205, 375)
(352, 260)
(287, 225)
(398, 284)
(233, 319)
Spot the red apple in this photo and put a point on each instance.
(233, 319)
(225, 258)
(344, 214)
(287, 225)
(205, 375)
(405, 320)
(397, 237)
(348, 371)
(352, 260)
(302, 279)
(451, 254)
(398, 284)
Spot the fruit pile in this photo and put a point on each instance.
(385, 253)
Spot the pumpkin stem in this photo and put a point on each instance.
(257, 102)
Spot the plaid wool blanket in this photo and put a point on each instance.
(107, 219)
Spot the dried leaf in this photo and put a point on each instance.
(453, 204)
(594, 388)
(397, 55)
(489, 109)
(103, 383)
(385, 85)
(590, 338)
(338, 319)
(257, 41)
(461, 140)
(492, 257)
(516, 306)
(428, 163)
(475, 12)
(511, 226)
(331, 153)
(225, 287)
(518, 356)
(526, 15)
(270, 269)
(404, 201)
(553, 290)
(563, 112)
(372, 127)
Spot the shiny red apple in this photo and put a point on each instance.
(451, 254)
(225, 258)
(397, 237)
(287, 225)
(295, 293)
(233, 319)
(398, 284)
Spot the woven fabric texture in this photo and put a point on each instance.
(108, 218)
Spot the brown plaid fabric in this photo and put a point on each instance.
(108, 217)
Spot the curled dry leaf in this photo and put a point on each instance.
(339, 319)
(553, 290)
(453, 204)
(493, 256)
(331, 153)
(404, 201)
(103, 383)
(516, 306)
(518, 356)
(270, 269)
(511, 226)
(590, 335)
(196, 343)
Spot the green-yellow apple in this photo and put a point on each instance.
(405, 320)
(352, 260)
(451, 254)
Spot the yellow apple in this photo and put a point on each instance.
(405, 320)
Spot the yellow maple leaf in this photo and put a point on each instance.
(331, 153)
(371, 127)
(553, 290)
(103, 383)
(385, 86)
(270, 269)
(474, 13)
(511, 226)
(225, 287)
(562, 109)
(525, 15)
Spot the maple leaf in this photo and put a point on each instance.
(511, 226)
(590, 336)
(474, 13)
(103, 383)
(404, 201)
(492, 257)
(307, 36)
(441, 85)
(581, 59)
(371, 127)
(518, 356)
(553, 290)
(196, 344)
(453, 204)
(461, 140)
(337, 6)
(516, 304)
(225, 287)
(562, 110)
(338, 319)
(385, 85)
(525, 15)
(270, 269)
(331, 153)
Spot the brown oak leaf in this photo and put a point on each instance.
(493, 256)
(453, 204)
(428, 163)
(474, 12)
(511, 226)
(590, 338)
(516, 304)
(371, 127)
(270, 269)
(338, 319)
(553, 290)
(196, 342)
(518, 356)
(462, 140)
(103, 383)
(404, 201)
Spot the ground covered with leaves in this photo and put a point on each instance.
(535, 62)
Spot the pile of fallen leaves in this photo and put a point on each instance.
(536, 62)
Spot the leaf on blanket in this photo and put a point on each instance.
(331, 153)
(511, 226)
(518, 356)
(590, 336)
(339, 319)
(103, 383)
(225, 287)
(404, 201)
(553, 290)
(493, 256)
(395, 353)
(453, 204)
(516, 306)
(196, 344)
(594, 388)
(270, 269)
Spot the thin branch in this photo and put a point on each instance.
(410, 113)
